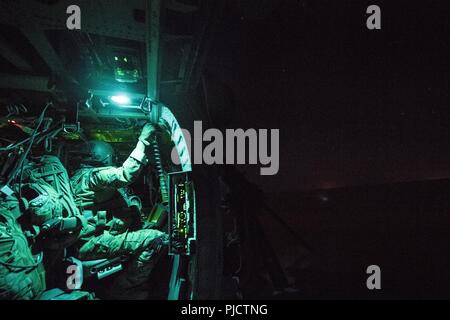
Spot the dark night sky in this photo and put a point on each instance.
(353, 106)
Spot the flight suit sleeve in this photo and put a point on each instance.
(118, 177)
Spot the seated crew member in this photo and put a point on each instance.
(21, 276)
(99, 186)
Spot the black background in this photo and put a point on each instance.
(364, 123)
(354, 106)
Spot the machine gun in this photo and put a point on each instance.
(178, 202)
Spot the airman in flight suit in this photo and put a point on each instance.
(101, 187)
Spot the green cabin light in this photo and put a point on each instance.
(121, 99)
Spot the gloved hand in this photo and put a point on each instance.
(146, 134)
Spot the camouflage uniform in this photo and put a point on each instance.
(21, 276)
(103, 188)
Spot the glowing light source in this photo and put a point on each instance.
(121, 99)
